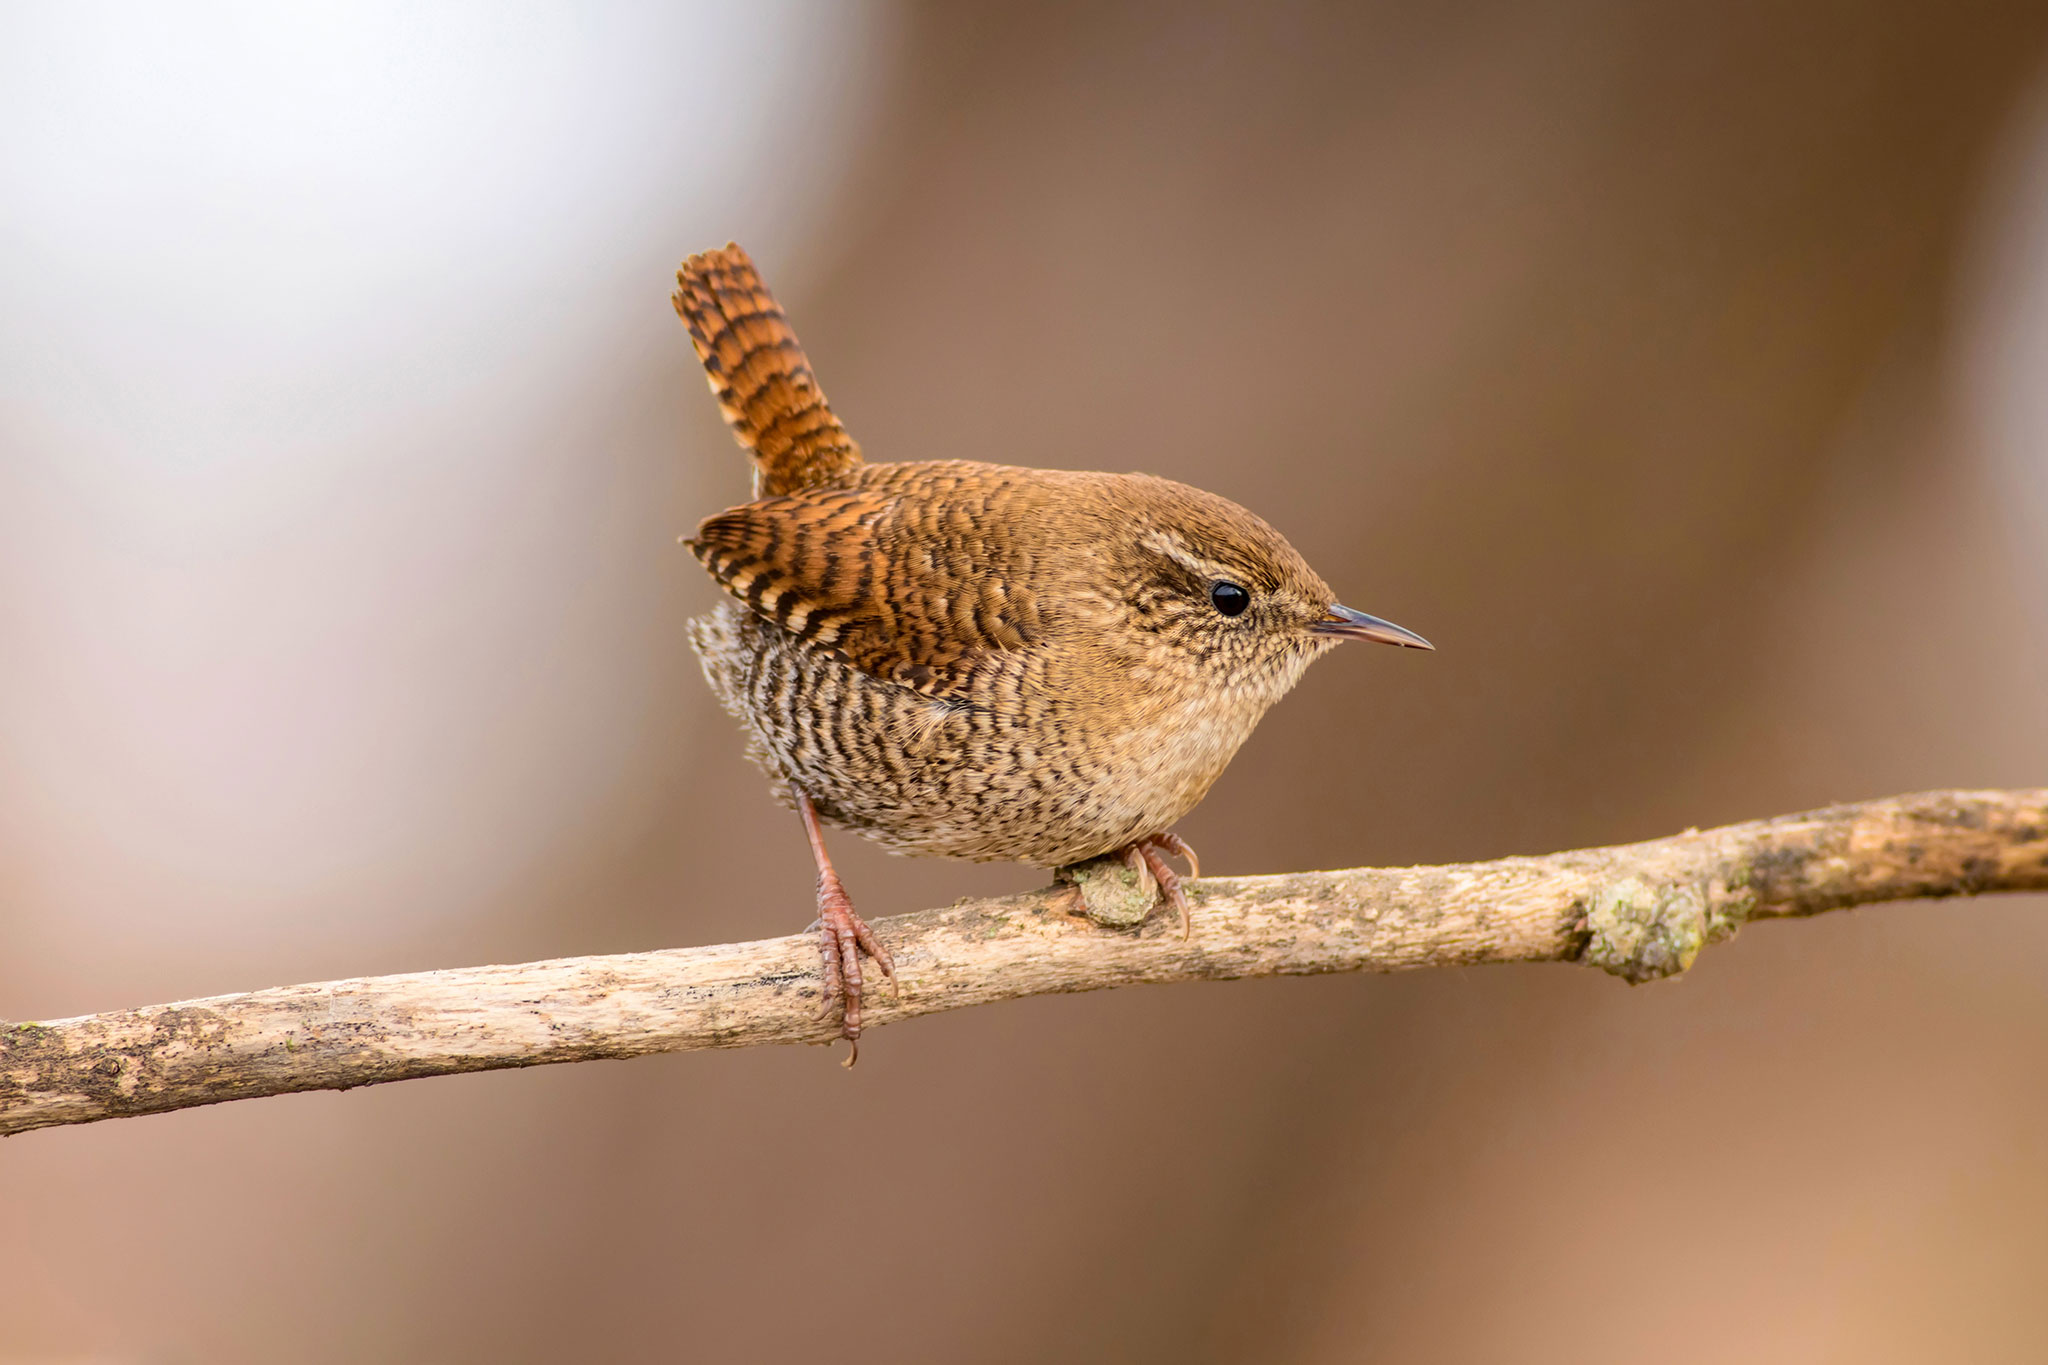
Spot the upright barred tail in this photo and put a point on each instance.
(758, 373)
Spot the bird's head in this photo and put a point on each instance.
(1215, 589)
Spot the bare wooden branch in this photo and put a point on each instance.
(1640, 911)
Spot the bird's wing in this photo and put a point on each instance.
(758, 372)
(864, 573)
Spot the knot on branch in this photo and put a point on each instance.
(1644, 928)
(1114, 894)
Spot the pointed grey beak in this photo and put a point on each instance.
(1347, 624)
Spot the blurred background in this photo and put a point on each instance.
(1678, 368)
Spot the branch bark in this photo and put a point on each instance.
(1639, 911)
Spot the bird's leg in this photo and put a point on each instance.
(1152, 850)
(842, 937)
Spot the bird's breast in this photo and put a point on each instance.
(1031, 763)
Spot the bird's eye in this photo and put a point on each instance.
(1229, 599)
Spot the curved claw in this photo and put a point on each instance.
(1179, 847)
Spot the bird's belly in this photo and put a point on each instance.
(981, 782)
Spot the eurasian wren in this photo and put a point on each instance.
(973, 660)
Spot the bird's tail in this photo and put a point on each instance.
(764, 385)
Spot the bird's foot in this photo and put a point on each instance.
(1152, 851)
(843, 937)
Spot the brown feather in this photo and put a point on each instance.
(867, 573)
(764, 385)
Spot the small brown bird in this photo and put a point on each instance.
(973, 660)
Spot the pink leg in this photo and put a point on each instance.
(1151, 849)
(842, 937)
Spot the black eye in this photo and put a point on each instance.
(1229, 599)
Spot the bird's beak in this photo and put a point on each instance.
(1347, 624)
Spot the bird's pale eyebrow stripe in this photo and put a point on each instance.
(1164, 543)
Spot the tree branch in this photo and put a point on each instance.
(1640, 911)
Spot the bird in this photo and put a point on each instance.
(970, 660)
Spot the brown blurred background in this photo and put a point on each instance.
(1678, 368)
